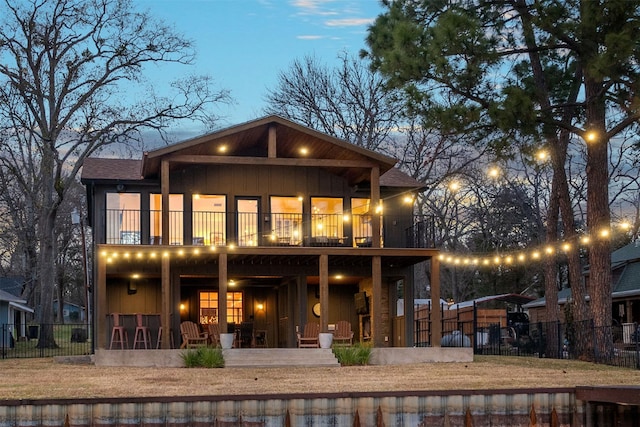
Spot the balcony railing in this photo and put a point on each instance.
(134, 227)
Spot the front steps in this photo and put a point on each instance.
(278, 357)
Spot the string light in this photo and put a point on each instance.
(534, 254)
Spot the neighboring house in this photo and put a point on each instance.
(284, 224)
(13, 318)
(71, 313)
(625, 296)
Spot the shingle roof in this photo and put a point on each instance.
(114, 169)
(394, 177)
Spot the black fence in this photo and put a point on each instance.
(617, 345)
(24, 341)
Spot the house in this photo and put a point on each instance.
(13, 318)
(71, 313)
(625, 296)
(283, 224)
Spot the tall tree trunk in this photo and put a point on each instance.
(598, 213)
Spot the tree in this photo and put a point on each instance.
(560, 72)
(348, 102)
(67, 85)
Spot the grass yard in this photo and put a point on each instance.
(44, 378)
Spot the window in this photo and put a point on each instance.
(361, 222)
(326, 217)
(176, 228)
(209, 307)
(247, 222)
(286, 220)
(209, 220)
(123, 218)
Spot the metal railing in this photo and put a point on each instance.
(134, 227)
(21, 341)
(554, 340)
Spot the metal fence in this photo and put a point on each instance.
(577, 340)
(22, 341)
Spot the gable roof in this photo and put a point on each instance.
(630, 252)
(251, 139)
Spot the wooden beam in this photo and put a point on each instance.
(166, 302)
(101, 307)
(266, 161)
(375, 204)
(324, 292)
(376, 290)
(436, 310)
(164, 189)
(222, 292)
(271, 149)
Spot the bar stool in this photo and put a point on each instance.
(118, 333)
(143, 334)
(159, 344)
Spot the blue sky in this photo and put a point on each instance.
(244, 44)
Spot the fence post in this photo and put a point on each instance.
(560, 341)
(4, 352)
(475, 328)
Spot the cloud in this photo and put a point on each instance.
(309, 37)
(349, 22)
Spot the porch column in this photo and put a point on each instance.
(436, 313)
(164, 188)
(324, 293)
(101, 314)
(376, 318)
(222, 292)
(300, 317)
(165, 301)
(409, 314)
(375, 205)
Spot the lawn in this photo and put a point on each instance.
(44, 378)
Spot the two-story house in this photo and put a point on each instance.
(267, 222)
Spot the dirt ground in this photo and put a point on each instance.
(44, 378)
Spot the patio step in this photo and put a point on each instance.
(278, 357)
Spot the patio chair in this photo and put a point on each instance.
(191, 335)
(343, 335)
(309, 336)
(214, 334)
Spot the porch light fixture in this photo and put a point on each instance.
(260, 306)
(222, 149)
(304, 151)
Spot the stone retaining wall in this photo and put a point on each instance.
(511, 408)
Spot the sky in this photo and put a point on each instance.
(244, 44)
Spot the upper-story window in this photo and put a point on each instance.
(123, 219)
(361, 221)
(327, 218)
(176, 219)
(209, 219)
(286, 220)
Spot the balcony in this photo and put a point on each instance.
(134, 227)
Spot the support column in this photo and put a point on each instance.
(375, 207)
(376, 318)
(222, 292)
(436, 310)
(324, 293)
(164, 188)
(101, 307)
(271, 144)
(166, 302)
(299, 318)
(409, 304)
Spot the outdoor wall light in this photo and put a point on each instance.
(183, 307)
(260, 306)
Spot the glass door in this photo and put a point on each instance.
(247, 221)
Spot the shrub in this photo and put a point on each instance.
(357, 354)
(203, 357)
